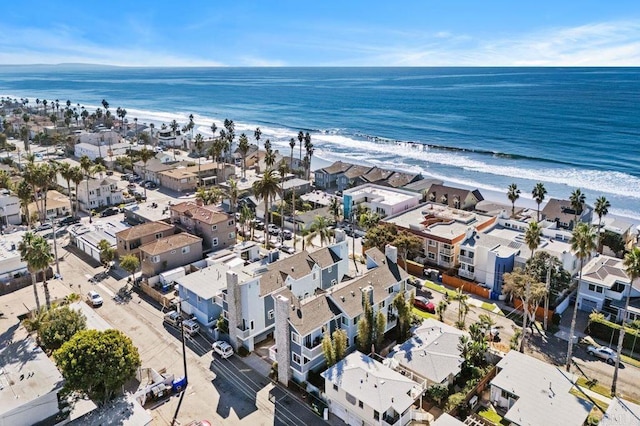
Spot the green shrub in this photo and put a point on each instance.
(454, 400)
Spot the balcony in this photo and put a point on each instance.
(243, 334)
(466, 274)
(312, 353)
(390, 420)
(445, 251)
(466, 259)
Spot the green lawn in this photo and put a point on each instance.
(597, 388)
(630, 361)
(424, 314)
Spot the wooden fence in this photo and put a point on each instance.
(467, 286)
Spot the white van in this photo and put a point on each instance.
(191, 327)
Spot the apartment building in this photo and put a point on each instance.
(170, 252)
(217, 228)
(131, 239)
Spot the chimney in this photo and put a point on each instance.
(234, 307)
(391, 253)
(282, 336)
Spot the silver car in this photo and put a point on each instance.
(608, 354)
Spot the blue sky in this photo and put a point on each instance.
(322, 33)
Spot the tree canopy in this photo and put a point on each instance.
(57, 325)
(97, 363)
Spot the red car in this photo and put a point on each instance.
(424, 304)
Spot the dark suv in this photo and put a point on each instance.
(110, 211)
(69, 220)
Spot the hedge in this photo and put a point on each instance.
(602, 329)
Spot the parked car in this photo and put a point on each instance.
(172, 317)
(69, 220)
(274, 242)
(94, 299)
(190, 327)
(44, 227)
(273, 229)
(288, 249)
(258, 239)
(158, 149)
(150, 184)
(131, 186)
(608, 354)
(223, 349)
(424, 304)
(109, 211)
(286, 234)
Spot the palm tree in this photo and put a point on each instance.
(66, 171)
(25, 118)
(146, 155)
(233, 194)
(38, 257)
(532, 239)
(300, 141)
(86, 165)
(257, 135)
(77, 177)
(269, 157)
(513, 193)
(602, 209)
(266, 188)
(283, 169)
(582, 243)
(243, 148)
(24, 191)
(539, 191)
(25, 247)
(577, 199)
(463, 307)
(319, 228)
(199, 144)
(441, 308)
(308, 146)
(245, 217)
(334, 208)
(632, 269)
(292, 144)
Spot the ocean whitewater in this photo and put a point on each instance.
(475, 127)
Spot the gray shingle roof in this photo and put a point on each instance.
(310, 314)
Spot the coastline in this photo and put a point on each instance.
(525, 199)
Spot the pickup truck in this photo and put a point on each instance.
(173, 318)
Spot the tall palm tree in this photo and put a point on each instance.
(66, 171)
(26, 118)
(24, 191)
(174, 128)
(532, 239)
(602, 209)
(583, 243)
(230, 134)
(24, 247)
(283, 169)
(245, 217)
(266, 188)
(233, 194)
(513, 193)
(257, 135)
(300, 142)
(77, 177)
(146, 155)
(40, 257)
(199, 144)
(308, 146)
(539, 192)
(632, 269)
(243, 149)
(292, 144)
(577, 199)
(269, 157)
(334, 208)
(320, 228)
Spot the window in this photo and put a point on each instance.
(158, 236)
(334, 282)
(382, 304)
(230, 223)
(595, 288)
(432, 243)
(232, 235)
(296, 358)
(314, 276)
(345, 320)
(214, 242)
(155, 259)
(376, 415)
(390, 289)
(305, 360)
(335, 387)
(360, 404)
(214, 227)
(463, 252)
(251, 325)
(330, 268)
(295, 337)
(270, 314)
(432, 256)
(186, 250)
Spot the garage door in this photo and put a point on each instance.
(588, 305)
(339, 411)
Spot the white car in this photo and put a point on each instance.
(608, 354)
(95, 299)
(288, 249)
(222, 348)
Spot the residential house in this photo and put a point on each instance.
(57, 205)
(252, 157)
(101, 151)
(561, 212)
(361, 390)
(153, 169)
(401, 179)
(11, 263)
(620, 227)
(326, 177)
(604, 287)
(170, 252)
(102, 192)
(621, 413)
(422, 186)
(442, 230)
(533, 392)
(251, 311)
(457, 198)
(130, 239)
(203, 293)
(87, 236)
(185, 178)
(29, 381)
(10, 213)
(381, 200)
(352, 177)
(301, 323)
(217, 228)
(168, 138)
(432, 353)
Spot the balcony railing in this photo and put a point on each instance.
(243, 334)
(446, 251)
(391, 420)
(466, 259)
(312, 353)
(466, 274)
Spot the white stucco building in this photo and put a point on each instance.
(9, 209)
(100, 192)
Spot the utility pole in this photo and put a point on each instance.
(55, 247)
(546, 299)
(184, 361)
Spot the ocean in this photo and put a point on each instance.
(477, 127)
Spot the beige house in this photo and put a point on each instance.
(130, 240)
(57, 205)
(169, 253)
(185, 178)
(217, 228)
(456, 198)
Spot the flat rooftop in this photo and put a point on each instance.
(99, 230)
(26, 372)
(381, 194)
(207, 282)
(550, 245)
(148, 212)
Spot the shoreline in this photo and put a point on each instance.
(525, 199)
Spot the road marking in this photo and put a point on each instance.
(106, 290)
